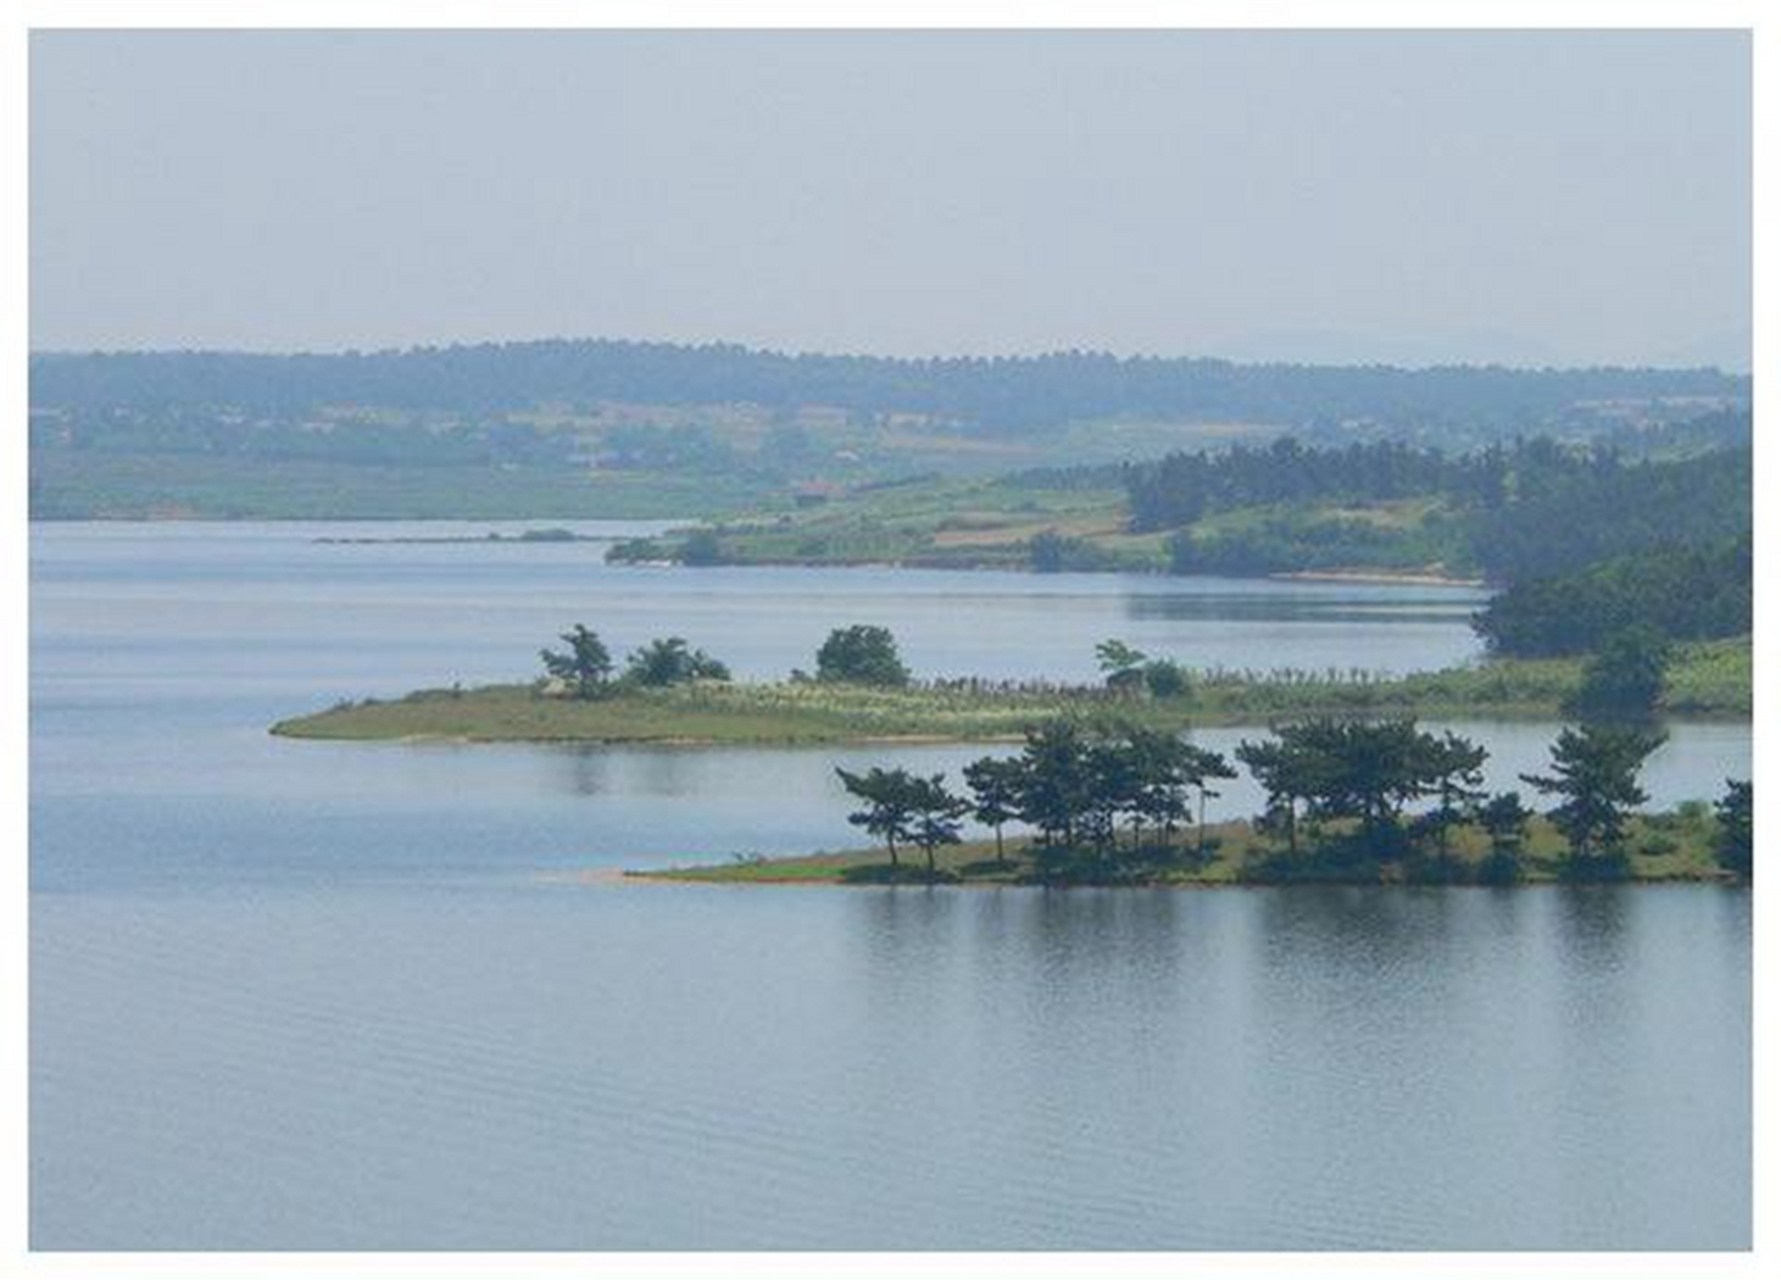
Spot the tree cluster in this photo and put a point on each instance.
(585, 666)
(1181, 488)
(1682, 592)
(1100, 796)
(1077, 785)
(1324, 769)
(1533, 510)
(1573, 508)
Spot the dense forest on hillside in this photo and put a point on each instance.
(998, 394)
(1684, 593)
(1586, 542)
(1534, 509)
(1578, 507)
(1182, 487)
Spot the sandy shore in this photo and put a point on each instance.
(1382, 578)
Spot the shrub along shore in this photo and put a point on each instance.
(1707, 679)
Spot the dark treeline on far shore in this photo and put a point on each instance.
(994, 395)
(1112, 803)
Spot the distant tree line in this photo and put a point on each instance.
(995, 394)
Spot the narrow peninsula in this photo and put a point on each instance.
(1680, 846)
(1705, 679)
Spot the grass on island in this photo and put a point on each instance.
(1674, 846)
(1712, 678)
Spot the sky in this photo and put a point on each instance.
(1513, 197)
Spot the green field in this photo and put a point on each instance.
(69, 485)
(942, 523)
(607, 460)
(927, 523)
(1706, 679)
(1661, 847)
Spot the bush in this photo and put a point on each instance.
(1166, 678)
(861, 655)
(701, 548)
(1658, 845)
(661, 663)
(1052, 552)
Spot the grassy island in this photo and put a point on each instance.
(1661, 847)
(1711, 678)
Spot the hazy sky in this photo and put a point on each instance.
(1527, 197)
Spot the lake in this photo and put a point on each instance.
(320, 995)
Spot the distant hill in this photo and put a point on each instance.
(1002, 396)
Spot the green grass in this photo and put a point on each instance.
(140, 480)
(1710, 679)
(1673, 846)
(96, 485)
(933, 523)
(951, 523)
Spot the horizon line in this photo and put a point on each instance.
(1132, 357)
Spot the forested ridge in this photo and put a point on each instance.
(1534, 509)
(1006, 393)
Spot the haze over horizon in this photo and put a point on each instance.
(1409, 364)
(1522, 198)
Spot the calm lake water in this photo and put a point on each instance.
(315, 995)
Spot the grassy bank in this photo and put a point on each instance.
(1707, 679)
(1674, 846)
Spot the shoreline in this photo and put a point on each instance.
(957, 564)
(1674, 846)
(644, 876)
(1376, 577)
(1363, 577)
